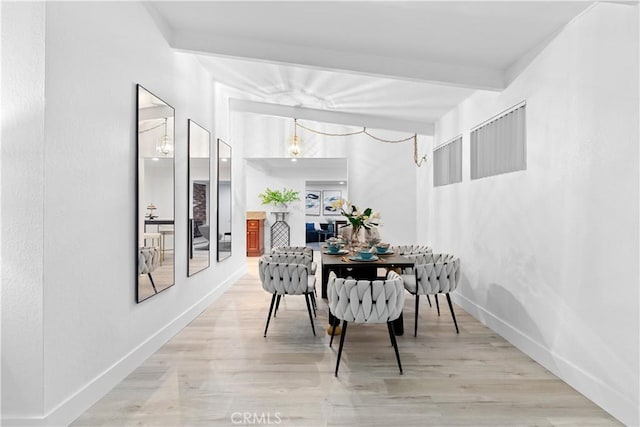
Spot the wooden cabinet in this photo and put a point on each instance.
(255, 237)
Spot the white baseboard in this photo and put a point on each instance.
(70, 409)
(609, 399)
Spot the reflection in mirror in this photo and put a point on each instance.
(199, 218)
(224, 200)
(155, 213)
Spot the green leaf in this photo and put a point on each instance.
(278, 197)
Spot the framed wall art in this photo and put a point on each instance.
(312, 202)
(328, 198)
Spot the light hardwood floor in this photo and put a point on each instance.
(220, 371)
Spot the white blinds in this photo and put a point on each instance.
(499, 146)
(447, 163)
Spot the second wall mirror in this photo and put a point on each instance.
(224, 200)
(199, 226)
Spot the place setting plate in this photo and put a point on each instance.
(387, 252)
(358, 258)
(340, 252)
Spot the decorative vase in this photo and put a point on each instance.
(355, 236)
(280, 207)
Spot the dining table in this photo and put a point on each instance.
(346, 264)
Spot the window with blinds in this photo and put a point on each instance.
(447, 163)
(499, 146)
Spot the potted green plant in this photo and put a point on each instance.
(279, 199)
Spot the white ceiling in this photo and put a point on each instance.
(406, 61)
(303, 163)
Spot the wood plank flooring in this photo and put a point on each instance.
(220, 371)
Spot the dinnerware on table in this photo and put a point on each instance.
(358, 258)
(365, 253)
(382, 247)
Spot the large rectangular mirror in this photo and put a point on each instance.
(224, 200)
(155, 183)
(199, 189)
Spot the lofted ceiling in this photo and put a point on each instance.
(394, 65)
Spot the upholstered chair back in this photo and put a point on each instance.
(412, 249)
(293, 249)
(439, 274)
(292, 258)
(366, 301)
(283, 278)
(417, 258)
(148, 259)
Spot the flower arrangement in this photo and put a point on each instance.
(366, 219)
(279, 198)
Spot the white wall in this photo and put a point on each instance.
(382, 176)
(94, 333)
(22, 210)
(550, 254)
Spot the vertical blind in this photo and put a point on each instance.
(499, 146)
(447, 163)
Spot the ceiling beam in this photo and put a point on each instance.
(326, 116)
(472, 77)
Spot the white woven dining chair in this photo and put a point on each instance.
(295, 258)
(366, 301)
(435, 274)
(286, 279)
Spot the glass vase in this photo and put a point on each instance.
(355, 237)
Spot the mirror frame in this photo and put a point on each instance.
(220, 142)
(141, 217)
(192, 269)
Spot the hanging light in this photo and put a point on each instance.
(416, 158)
(163, 145)
(294, 143)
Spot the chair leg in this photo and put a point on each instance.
(306, 298)
(277, 305)
(452, 314)
(314, 304)
(392, 335)
(415, 325)
(437, 304)
(273, 300)
(344, 333)
(333, 332)
(152, 283)
(429, 301)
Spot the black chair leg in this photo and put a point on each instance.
(429, 300)
(153, 284)
(344, 333)
(277, 305)
(415, 325)
(333, 332)
(437, 304)
(273, 300)
(452, 314)
(313, 304)
(392, 335)
(306, 298)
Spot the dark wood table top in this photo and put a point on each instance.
(384, 261)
